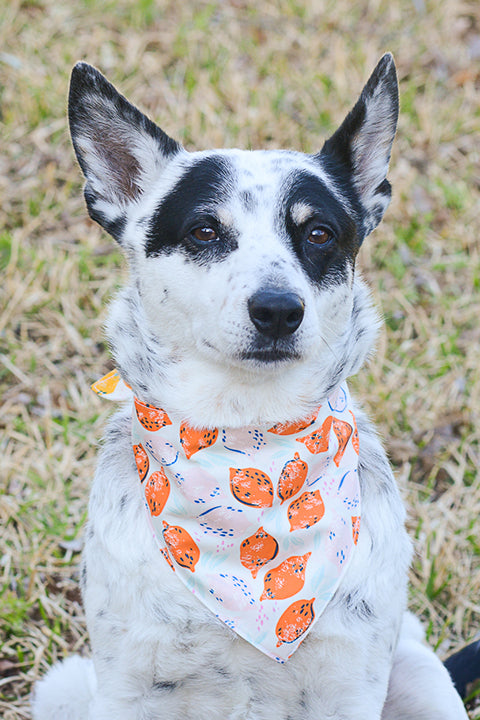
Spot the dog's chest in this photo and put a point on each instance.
(145, 624)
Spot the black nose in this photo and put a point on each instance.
(276, 313)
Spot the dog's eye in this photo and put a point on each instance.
(204, 234)
(319, 236)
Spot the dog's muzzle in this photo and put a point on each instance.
(276, 313)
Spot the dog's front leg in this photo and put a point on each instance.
(420, 687)
(353, 660)
(359, 629)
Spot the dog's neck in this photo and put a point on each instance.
(208, 394)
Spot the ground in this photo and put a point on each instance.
(280, 73)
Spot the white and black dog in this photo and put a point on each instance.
(243, 310)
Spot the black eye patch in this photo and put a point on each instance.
(309, 204)
(204, 186)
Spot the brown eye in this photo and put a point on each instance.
(319, 236)
(205, 234)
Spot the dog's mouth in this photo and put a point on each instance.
(275, 353)
(270, 355)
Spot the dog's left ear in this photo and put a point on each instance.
(361, 147)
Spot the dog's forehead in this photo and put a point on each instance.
(249, 181)
(258, 173)
(262, 170)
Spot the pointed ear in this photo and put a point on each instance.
(120, 151)
(361, 147)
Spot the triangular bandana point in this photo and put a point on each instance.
(257, 522)
(112, 387)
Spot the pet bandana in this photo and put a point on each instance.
(259, 523)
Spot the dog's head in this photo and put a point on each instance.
(243, 304)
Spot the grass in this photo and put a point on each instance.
(281, 73)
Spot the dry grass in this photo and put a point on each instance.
(280, 73)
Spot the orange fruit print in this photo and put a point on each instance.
(295, 621)
(194, 440)
(307, 510)
(258, 550)
(292, 478)
(355, 439)
(251, 487)
(141, 461)
(355, 527)
(150, 417)
(165, 554)
(181, 545)
(343, 431)
(285, 580)
(290, 428)
(318, 441)
(157, 490)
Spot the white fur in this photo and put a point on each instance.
(417, 668)
(179, 331)
(371, 159)
(67, 690)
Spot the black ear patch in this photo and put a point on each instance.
(358, 153)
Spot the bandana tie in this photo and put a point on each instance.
(260, 523)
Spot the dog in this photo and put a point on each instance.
(242, 319)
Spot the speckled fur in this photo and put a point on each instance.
(180, 332)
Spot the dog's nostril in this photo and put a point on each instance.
(276, 313)
(295, 318)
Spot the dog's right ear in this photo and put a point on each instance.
(120, 151)
(360, 149)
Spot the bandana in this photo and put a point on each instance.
(259, 523)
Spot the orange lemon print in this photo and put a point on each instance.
(107, 383)
(167, 557)
(150, 417)
(343, 431)
(317, 441)
(181, 545)
(290, 428)
(307, 510)
(285, 580)
(194, 440)
(157, 490)
(295, 621)
(292, 478)
(251, 487)
(355, 438)
(355, 527)
(258, 550)
(141, 461)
